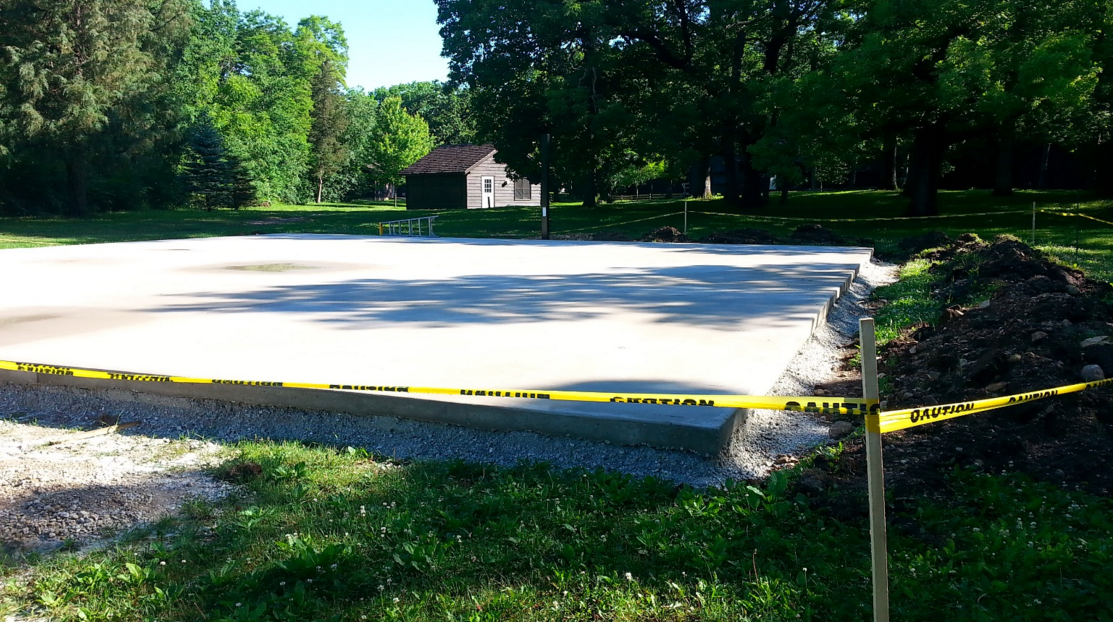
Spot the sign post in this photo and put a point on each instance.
(545, 187)
(879, 554)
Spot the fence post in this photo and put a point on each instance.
(875, 468)
(1033, 224)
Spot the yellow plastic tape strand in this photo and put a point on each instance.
(824, 405)
(619, 224)
(1068, 215)
(911, 417)
(801, 219)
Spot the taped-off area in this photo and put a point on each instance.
(876, 420)
(911, 417)
(825, 405)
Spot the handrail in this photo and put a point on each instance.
(409, 227)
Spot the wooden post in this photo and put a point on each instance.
(545, 187)
(1033, 224)
(875, 468)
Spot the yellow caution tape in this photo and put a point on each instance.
(803, 219)
(911, 417)
(1067, 214)
(619, 224)
(824, 405)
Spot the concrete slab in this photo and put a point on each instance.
(486, 314)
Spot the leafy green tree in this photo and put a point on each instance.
(399, 140)
(75, 69)
(447, 110)
(944, 72)
(330, 122)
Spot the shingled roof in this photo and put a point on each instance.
(450, 159)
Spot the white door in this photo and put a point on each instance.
(488, 192)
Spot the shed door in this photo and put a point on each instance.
(488, 192)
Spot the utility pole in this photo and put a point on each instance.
(545, 187)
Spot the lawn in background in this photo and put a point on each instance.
(337, 534)
(1076, 241)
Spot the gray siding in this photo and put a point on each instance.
(504, 186)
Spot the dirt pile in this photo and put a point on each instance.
(1012, 322)
(666, 234)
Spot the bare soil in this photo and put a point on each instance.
(59, 488)
(1011, 322)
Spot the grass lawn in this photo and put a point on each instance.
(1078, 241)
(333, 533)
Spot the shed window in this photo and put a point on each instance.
(523, 191)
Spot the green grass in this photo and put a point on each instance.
(323, 528)
(333, 534)
(1075, 241)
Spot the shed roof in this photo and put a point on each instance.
(450, 159)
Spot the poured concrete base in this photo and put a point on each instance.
(480, 314)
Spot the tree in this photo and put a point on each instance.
(446, 109)
(400, 139)
(944, 72)
(330, 121)
(208, 173)
(74, 67)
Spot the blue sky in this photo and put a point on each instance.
(389, 41)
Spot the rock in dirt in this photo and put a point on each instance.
(1092, 373)
(1095, 341)
(1038, 336)
(666, 234)
(840, 429)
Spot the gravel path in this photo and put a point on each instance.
(74, 490)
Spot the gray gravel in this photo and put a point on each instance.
(768, 437)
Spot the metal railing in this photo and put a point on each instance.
(419, 227)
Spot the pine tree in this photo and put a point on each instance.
(330, 121)
(244, 192)
(208, 173)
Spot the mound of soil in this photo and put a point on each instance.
(741, 236)
(666, 234)
(1018, 323)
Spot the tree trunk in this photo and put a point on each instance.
(699, 179)
(590, 191)
(1103, 170)
(320, 187)
(731, 192)
(1003, 183)
(1042, 182)
(925, 171)
(77, 180)
(751, 183)
(889, 161)
(784, 194)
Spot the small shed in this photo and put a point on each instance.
(465, 177)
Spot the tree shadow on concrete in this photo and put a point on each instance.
(705, 296)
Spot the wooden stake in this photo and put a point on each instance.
(81, 436)
(879, 555)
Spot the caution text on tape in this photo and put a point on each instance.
(894, 420)
(825, 405)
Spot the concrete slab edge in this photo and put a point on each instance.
(704, 441)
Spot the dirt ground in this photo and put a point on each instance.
(58, 488)
(1012, 322)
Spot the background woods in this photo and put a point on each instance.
(114, 104)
